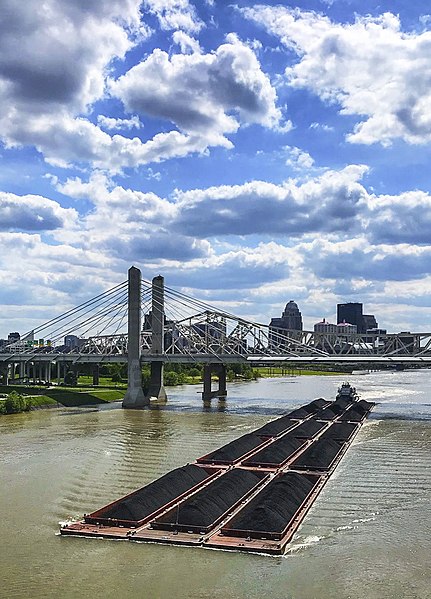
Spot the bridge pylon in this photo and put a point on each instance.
(134, 397)
(157, 389)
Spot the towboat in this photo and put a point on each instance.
(346, 391)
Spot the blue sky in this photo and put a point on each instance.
(250, 153)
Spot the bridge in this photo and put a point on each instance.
(139, 321)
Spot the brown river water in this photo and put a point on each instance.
(368, 535)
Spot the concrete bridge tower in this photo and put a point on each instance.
(134, 397)
(157, 390)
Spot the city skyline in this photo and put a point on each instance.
(248, 152)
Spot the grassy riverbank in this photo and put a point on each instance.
(65, 396)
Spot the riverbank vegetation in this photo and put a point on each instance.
(14, 403)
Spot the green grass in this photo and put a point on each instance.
(67, 396)
(104, 381)
(42, 400)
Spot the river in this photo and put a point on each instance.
(368, 535)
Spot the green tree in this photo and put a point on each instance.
(195, 372)
(15, 403)
(146, 377)
(172, 378)
(71, 379)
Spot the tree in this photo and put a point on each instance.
(15, 403)
(71, 379)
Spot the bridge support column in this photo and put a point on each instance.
(96, 374)
(134, 397)
(220, 371)
(157, 389)
(22, 370)
(4, 368)
(47, 376)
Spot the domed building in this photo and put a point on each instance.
(291, 318)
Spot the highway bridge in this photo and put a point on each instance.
(139, 321)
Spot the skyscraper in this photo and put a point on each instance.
(351, 313)
(291, 318)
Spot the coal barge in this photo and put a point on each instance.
(249, 495)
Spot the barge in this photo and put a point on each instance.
(249, 495)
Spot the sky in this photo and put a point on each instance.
(250, 153)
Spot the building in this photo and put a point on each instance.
(291, 318)
(325, 327)
(370, 322)
(326, 335)
(334, 337)
(352, 312)
(73, 342)
(13, 337)
(345, 328)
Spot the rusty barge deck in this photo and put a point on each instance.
(249, 495)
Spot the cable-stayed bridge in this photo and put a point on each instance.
(139, 321)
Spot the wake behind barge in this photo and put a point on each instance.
(249, 495)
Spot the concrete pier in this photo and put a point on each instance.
(134, 397)
(96, 374)
(157, 390)
(220, 371)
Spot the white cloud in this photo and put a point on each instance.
(321, 127)
(51, 75)
(33, 213)
(298, 159)
(48, 277)
(107, 122)
(200, 93)
(46, 95)
(69, 140)
(45, 67)
(404, 218)
(186, 43)
(370, 68)
(328, 203)
(175, 14)
(130, 224)
(357, 259)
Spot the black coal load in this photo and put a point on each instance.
(319, 456)
(207, 506)
(310, 408)
(298, 414)
(276, 453)
(307, 429)
(146, 501)
(319, 404)
(271, 511)
(276, 427)
(343, 402)
(233, 451)
(330, 413)
(358, 411)
(340, 431)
